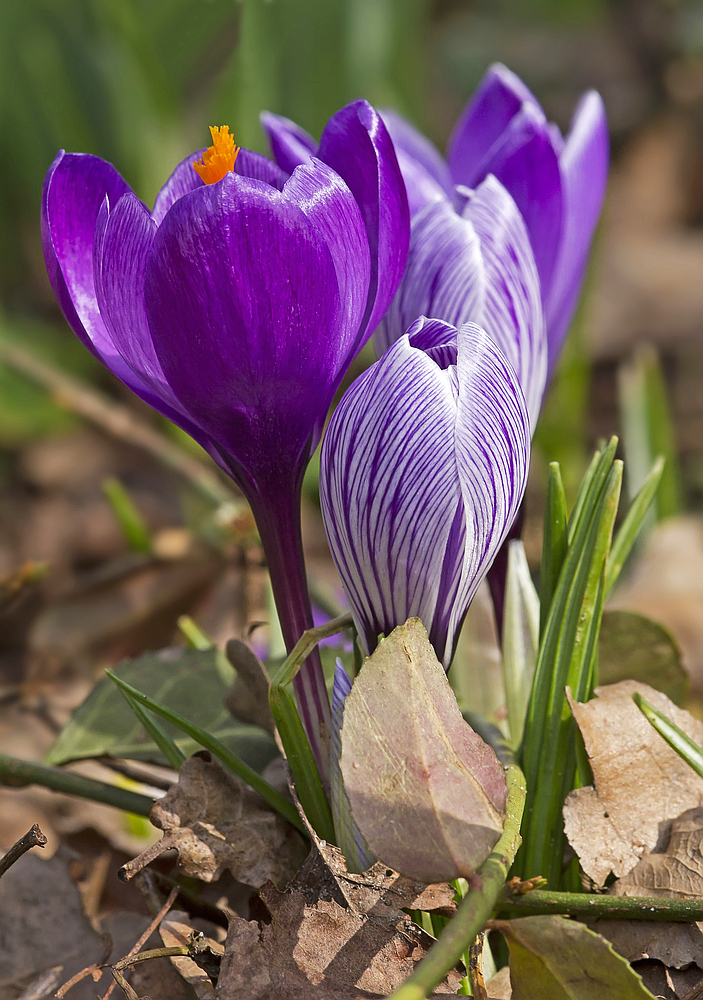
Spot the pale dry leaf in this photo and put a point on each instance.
(499, 986)
(320, 951)
(674, 872)
(218, 823)
(640, 782)
(175, 930)
(426, 792)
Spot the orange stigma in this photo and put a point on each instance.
(219, 158)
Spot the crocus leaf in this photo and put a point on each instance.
(426, 792)
(193, 682)
(553, 958)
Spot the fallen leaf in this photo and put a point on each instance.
(320, 951)
(669, 984)
(192, 682)
(426, 792)
(175, 930)
(553, 958)
(499, 986)
(640, 782)
(218, 823)
(632, 647)
(674, 872)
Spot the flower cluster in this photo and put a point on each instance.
(235, 306)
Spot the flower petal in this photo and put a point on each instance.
(498, 98)
(584, 168)
(422, 470)
(290, 144)
(74, 189)
(476, 267)
(524, 161)
(245, 315)
(357, 145)
(512, 308)
(424, 171)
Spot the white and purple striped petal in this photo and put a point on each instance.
(477, 267)
(423, 468)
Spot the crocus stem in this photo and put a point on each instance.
(591, 907)
(278, 521)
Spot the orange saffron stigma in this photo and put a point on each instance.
(219, 158)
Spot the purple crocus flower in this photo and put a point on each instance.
(558, 184)
(472, 262)
(235, 307)
(423, 468)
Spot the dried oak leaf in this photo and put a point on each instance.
(175, 930)
(676, 871)
(218, 823)
(640, 782)
(426, 792)
(321, 951)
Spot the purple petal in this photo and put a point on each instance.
(499, 97)
(357, 145)
(245, 314)
(477, 267)
(424, 171)
(525, 163)
(584, 168)
(423, 469)
(182, 181)
(512, 309)
(74, 189)
(185, 178)
(290, 144)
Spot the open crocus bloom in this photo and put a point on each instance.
(558, 184)
(423, 468)
(235, 307)
(472, 262)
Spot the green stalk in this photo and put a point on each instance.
(20, 773)
(476, 907)
(554, 542)
(591, 907)
(173, 754)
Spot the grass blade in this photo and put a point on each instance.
(628, 531)
(554, 541)
(306, 776)
(173, 754)
(677, 739)
(235, 764)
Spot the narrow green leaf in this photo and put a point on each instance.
(677, 739)
(230, 760)
(547, 744)
(302, 765)
(158, 734)
(583, 491)
(131, 522)
(520, 638)
(630, 527)
(554, 541)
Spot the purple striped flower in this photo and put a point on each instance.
(424, 465)
(558, 184)
(474, 263)
(236, 306)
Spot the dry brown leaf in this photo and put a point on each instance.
(175, 930)
(640, 782)
(426, 792)
(674, 872)
(248, 699)
(218, 823)
(320, 951)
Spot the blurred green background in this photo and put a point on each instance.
(139, 81)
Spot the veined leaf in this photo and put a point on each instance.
(554, 542)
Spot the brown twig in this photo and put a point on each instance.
(33, 838)
(147, 934)
(116, 420)
(95, 971)
(43, 984)
(120, 981)
(128, 871)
